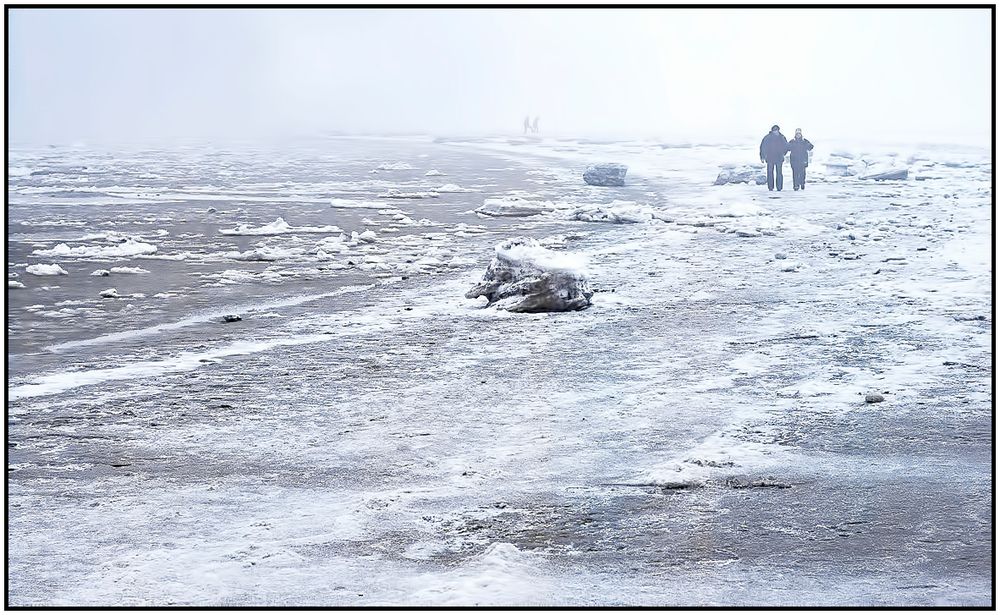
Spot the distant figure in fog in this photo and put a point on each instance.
(534, 125)
(799, 149)
(772, 152)
(527, 124)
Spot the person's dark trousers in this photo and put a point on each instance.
(774, 173)
(799, 177)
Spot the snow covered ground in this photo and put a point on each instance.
(365, 435)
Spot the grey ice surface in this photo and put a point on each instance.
(365, 435)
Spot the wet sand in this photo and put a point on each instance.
(699, 436)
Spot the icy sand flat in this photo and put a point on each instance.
(365, 435)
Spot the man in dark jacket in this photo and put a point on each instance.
(772, 151)
(799, 158)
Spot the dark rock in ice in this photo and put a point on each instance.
(525, 277)
(741, 175)
(711, 463)
(609, 174)
(676, 486)
(968, 317)
(893, 174)
(873, 398)
(745, 482)
(232, 318)
(211, 210)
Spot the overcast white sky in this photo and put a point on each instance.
(900, 74)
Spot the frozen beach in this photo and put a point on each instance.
(365, 435)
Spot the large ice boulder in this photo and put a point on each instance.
(524, 276)
(608, 174)
(741, 175)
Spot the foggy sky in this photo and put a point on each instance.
(900, 74)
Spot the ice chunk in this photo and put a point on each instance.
(513, 206)
(616, 212)
(523, 276)
(46, 269)
(127, 270)
(741, 175)
(608, 174)
(887, 175)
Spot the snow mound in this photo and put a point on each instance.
(524, 276)
(434, 173)
(130, 247)
(353, 204)
(739, 210)
(278, 227)
(365, 237)
(46, 270)
(14, 284)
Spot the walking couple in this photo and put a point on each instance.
(772, 152)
